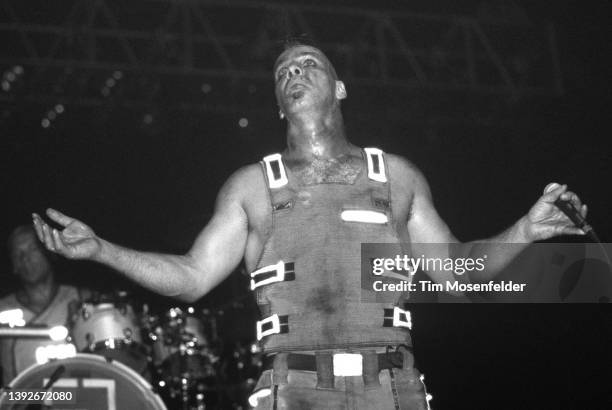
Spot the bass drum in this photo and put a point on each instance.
(95, 384)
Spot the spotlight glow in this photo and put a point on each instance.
(58, 333)
(12, 317)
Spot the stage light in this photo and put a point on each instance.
(12, 317)
(45, 123)
(110, 82)
(18, 69)
(147, 119)
(105, 91)
(58, 333)
(53, 352)
(11, 76)
(51, 115)
(243, 122)
(59, 108)
(6, 86)
(117, 75)
(259, 394)
(206, 88)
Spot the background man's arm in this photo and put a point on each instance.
(216, 252)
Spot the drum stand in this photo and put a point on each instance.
(186, 383)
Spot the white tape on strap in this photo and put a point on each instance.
(348, 364)
(358, 215)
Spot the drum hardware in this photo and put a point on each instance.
(55, 333)
(111, 329)
(93, 381)
(179, 346)
(184, 361)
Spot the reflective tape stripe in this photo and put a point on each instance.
(362, 215)
(275, 171)
(376, 164)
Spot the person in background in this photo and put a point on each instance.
(41, 299)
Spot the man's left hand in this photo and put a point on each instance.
(545, 220)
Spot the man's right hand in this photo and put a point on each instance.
(75, 241)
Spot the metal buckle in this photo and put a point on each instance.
(380, 175)
(272, 331)
(348, 364)
(273, 181)
(397, 320)
(279, 277)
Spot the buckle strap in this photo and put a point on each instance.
(397, 317)
(278, 272)
(376, 164)
(272, 325)
(275, 170)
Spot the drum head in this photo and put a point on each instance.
(96, 384)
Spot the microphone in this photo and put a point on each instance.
(572, 213)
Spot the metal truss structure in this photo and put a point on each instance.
(175, 49)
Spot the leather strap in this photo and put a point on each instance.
(308, 362)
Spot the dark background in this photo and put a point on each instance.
(154, 187)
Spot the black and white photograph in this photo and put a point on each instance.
(323, 205)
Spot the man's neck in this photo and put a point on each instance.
(316, 136)
(37, 296)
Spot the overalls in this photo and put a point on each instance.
(352, 354)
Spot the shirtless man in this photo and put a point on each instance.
(296, 221)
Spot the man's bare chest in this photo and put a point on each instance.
(328, 171)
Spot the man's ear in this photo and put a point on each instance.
(340, 90)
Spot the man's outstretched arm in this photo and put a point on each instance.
(543, 221)
(216, 252)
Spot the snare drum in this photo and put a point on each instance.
(110, 330)
(94, 383)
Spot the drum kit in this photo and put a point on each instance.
(132, 358)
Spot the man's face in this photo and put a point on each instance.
(30, 263)
(304, 79)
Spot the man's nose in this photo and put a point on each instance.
(294, 69)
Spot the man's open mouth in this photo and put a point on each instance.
(297, 94)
